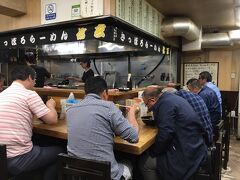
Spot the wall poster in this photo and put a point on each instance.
(192, 70)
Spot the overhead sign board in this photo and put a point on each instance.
(108, 30)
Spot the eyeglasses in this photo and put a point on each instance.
(146, 104)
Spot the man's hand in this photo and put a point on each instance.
(51, 103)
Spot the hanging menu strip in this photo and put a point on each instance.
(124, 37)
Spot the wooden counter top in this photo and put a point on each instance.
(147, 136)
(79, 93)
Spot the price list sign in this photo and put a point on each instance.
(192, 70)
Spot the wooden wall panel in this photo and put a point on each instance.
(236, 69)
(109, 7)
(32, 18)
(228, 62)
(5, 23)
(13, 7)
(224, 57)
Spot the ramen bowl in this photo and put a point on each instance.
(148, 120)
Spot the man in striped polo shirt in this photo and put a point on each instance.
(18, 104)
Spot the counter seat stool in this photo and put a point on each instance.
(3, 163)
(223, 127)
(226, 142)
(70, 167)
(211, 170)
(4, 175)
(206, 170)
(217, 129)
(218, 160)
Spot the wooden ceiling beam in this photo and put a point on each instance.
(13, 7)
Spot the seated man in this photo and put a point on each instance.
(200, 108)
(2, 78)
(179, 148)
(205, 79)
(209, 97)
(18, 104)
(93, 123)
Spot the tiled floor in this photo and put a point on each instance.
(233, 171)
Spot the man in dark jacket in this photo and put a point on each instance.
(200, 108)
(179, 148)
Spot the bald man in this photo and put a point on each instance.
(179, 148)
(200, 108)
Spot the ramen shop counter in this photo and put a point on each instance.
(147, 136)
(79, 93)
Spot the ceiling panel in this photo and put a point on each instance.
(218, 14)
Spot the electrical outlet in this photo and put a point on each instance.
(233, 114)
(233, 75)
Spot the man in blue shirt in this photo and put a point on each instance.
(205, 79)
(93, 123)
(209, 97)
(179, 148)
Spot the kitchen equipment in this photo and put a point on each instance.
(123, 89)
(111, 77)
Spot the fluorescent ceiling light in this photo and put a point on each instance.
(110, 46)
(66, 48)
(234, 35)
